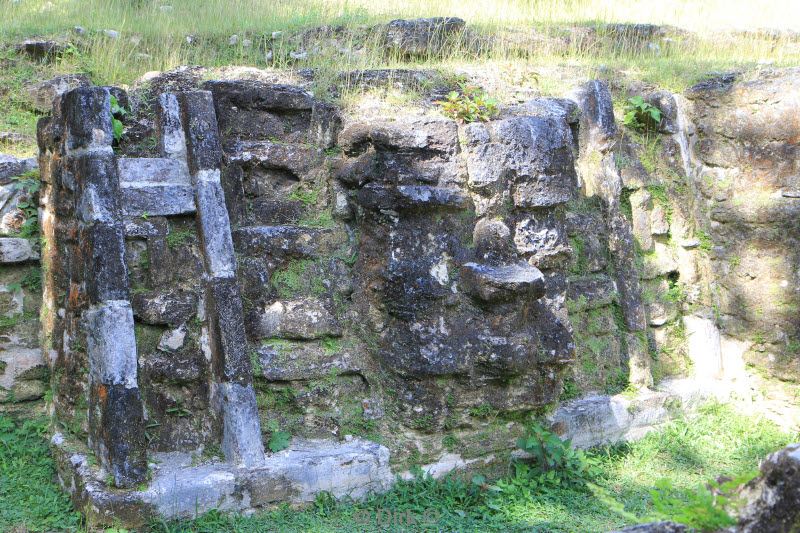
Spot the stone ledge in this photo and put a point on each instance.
(351, 469)
(599, 419)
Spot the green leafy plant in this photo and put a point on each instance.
(117, 114)
(641, 116)
(279, 440)
(705, 508)
(551, 454)
(469, 104)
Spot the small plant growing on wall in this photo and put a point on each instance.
(641, 116)
(117, 113)
(469, 104)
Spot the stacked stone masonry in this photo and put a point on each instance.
(388, 292)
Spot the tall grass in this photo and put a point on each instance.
(154, 33)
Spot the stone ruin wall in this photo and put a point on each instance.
(271, 263)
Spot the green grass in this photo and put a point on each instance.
(688, 452)
(29, 496)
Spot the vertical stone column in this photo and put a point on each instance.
(231, 371)
(98, 291)
(598, 137)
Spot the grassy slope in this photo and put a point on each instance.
(689, 452)
(154, 39)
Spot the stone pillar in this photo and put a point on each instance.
(231, 371)
(82, 212)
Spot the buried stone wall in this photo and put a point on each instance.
(272, 289)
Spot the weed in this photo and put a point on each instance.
(705, 240)
(640, 115)
(278, 440)
(177, 238)
(469, 104)
(117, 114)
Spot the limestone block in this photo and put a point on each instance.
(304, 319)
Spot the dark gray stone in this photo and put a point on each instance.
(87, 118)
(280, 241)
(43, 94)
(40, 50)
(229, 353)
(502, 283)
(11, 166)
(326, 122)
(774, 505)
(204, 151)
(106, 273)
(118, 432)
(170, 307)
(410, 197)
(598, 128)
(531, 156)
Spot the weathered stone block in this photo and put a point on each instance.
(16, 250)
(97, 184)
(169, 127)
(502, 283)
(241, 432)
(278, 241)
(229, 352)
(103, 253)
(168, 307)
(410, 197)
(87, 118)
(215, 230)
(530, 155)
(43, 94)
(591, 292)
(117, 428)
(598, 129)
(542, 238)
(304, 319)
(111, 344)
(202, 134)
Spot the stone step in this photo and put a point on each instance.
(155, 187)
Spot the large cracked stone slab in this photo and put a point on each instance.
(531, 156)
